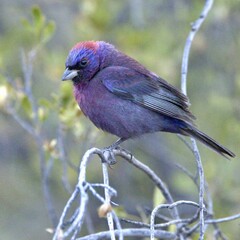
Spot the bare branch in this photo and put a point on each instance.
(24, 124)
(33, 127)
(195, 27)
(222, 220)
(107, 201)
(131, 232)
(170, 206)
(81, 187)
(150, 173)
(63, 157)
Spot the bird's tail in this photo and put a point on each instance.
(195, 133)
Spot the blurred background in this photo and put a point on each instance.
(154, 33)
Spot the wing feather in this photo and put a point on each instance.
(148, 91)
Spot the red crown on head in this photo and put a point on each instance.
(88, 45)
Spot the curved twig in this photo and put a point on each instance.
(131, 232)
(195, 27)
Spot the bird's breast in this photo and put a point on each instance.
(116, 115)
(81, 95)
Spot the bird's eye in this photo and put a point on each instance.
(83, 63)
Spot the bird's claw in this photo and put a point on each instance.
(109, 156)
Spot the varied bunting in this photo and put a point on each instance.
(122, 97)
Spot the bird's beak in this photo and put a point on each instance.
(69, 74)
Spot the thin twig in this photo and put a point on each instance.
(170, 206)
(63, 158)
(77, 224)
(111, 190)
(151, 174)
(46, 172)
(195, 27)
(33, 126)
(136, 223)
(81, 187)
(201, 188)
(107, 200)
(60, 226)
(131, 232)
(24, 124)
(222, 220)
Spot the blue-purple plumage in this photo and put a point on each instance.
(122, 97)
(117, 116)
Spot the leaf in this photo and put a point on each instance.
(26, 105)
(38, 17)
(42, 114)
(158, 197)
(45, 103)
(65, 94)
(39, 26)
(172, 228)
(26, 23)
(48, 31)
(121, 212)
(68, 114)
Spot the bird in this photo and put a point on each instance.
(122, 97)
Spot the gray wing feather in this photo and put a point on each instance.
(148, 91)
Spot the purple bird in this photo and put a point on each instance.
(122, 97)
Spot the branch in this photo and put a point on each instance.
(74, 226)
(63, 157)
(107, 201)
(33, 126)
(24, 124)
(169, 206)
(150, 173)
(195, 27)
(226, 219)
(131, 232)
(82, 187)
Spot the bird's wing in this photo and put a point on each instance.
(148, 91)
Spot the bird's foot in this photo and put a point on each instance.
(109, 156)
(115, 144)
(108, 151)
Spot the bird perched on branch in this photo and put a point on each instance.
(122, 97)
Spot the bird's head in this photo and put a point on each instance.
(82, 62)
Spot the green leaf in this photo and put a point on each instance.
(158, 197)
(38, 17)
(121, 212)
(66, 94)
(45, 103)
(42, 114)
(26, 105)
(39, 29)
(172, 228)
(69, 113)
(48, 31)
(26, 23)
